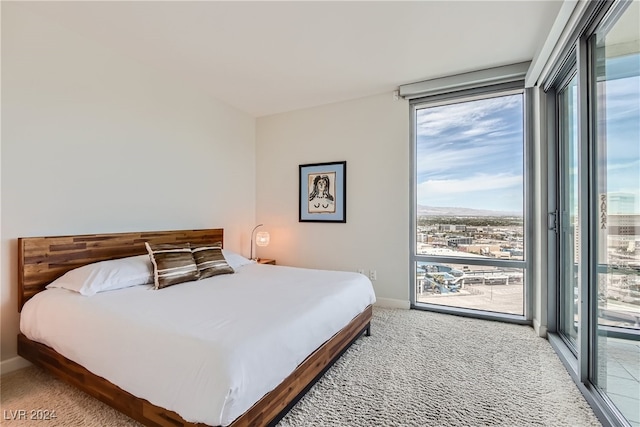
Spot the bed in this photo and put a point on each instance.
(112, 329)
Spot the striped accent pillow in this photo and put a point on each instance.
(172, 264)
(211, 261)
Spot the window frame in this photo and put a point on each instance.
(456, 97)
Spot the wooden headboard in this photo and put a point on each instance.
(44, 259)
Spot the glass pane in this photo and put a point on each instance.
(469, 192)
(568, 212)
(470, 179)
(616, 369)
(497, 289)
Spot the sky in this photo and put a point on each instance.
(470, 154)
(622, 126)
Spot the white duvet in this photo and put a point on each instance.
(208, 349)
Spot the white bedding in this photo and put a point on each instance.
(208, 349)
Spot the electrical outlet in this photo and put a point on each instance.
(360, 270)
(373, 275)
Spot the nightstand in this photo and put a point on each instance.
(266, 261)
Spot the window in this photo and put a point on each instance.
(569, 237)
(469, 250)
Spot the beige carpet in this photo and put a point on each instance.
(416, 369)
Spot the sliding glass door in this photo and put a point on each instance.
(597, 99)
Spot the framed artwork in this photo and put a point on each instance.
(323, 192)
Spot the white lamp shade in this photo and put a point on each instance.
(262, 238)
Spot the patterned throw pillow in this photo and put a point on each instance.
(172, 264)
(210, 260)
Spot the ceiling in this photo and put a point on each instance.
(269, 57)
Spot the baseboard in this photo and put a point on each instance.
(13, 364)
(541, 330)
(392, 303)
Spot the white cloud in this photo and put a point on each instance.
(436, 120)
(470, 184)
(616, 166)
(451, 160)
(500, 192)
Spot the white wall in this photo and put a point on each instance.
(372, 135)
(93, 141)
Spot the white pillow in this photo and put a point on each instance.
(235, 260)
(107, 275)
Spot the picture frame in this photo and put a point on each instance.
(323, 192)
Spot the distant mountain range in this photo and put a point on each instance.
(442, 211)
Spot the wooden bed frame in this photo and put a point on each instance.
(43, 259)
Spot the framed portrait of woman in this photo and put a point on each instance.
(323, 188)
